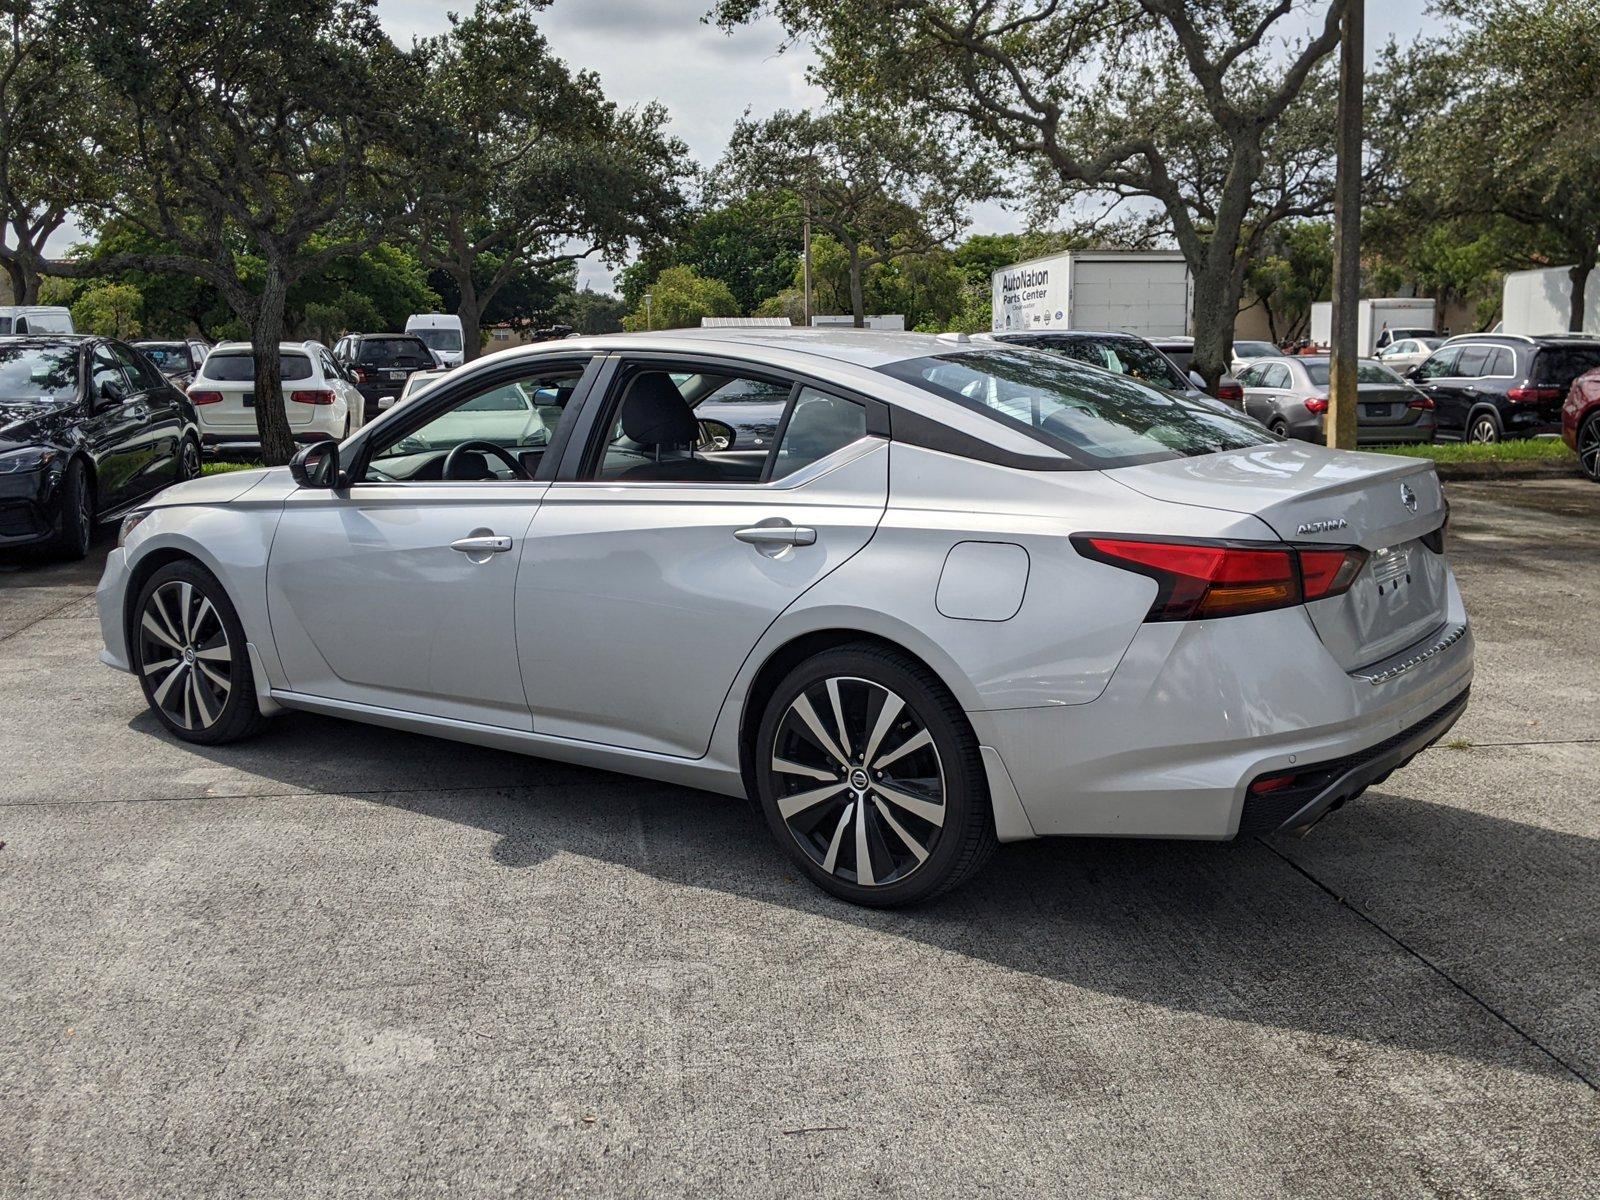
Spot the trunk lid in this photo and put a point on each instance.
(1309, 495)
(1386, 404)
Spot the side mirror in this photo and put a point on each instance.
(1414, 373)
(1198, 380)
(110, 395)
(715, 435)
(316, 465)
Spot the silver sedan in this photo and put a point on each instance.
(970, 593)
(1289, 396)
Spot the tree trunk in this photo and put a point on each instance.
(470, 310)
(1217, 287)
(1579, 275)
(14, 276)
(858, 300)
(266, 331)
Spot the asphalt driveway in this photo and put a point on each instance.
(341, 960)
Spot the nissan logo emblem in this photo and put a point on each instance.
(1408, 497)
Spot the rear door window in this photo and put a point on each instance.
(1472, 362)
(1275, 375)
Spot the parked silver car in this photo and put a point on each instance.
(1290, 397)
(972, 593)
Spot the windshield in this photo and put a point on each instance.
(1125, 356)
(236, 366)
(440, 339)
(394, 352)
(1094, 417)
(169, 358)
(38, 374)
(1367, 371)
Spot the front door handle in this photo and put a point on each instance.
(776, 535)
(481, 545)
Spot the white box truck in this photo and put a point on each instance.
(1540, 301)
(1379, 322)
(1147, 292)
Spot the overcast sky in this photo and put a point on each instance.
(661, 50)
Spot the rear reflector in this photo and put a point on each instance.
(1271, 783)
(1202, 580)
(312, 397)
(1532, 395)
(1317, 404)
(205, 397)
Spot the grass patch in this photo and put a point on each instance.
(1546, 450)
(1458, 744)
(222, 468)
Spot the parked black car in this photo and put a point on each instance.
(178, 359)
(88, 428)
(1127, 354)
(1487, 387)
(380, 363)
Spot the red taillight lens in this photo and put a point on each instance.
(1425, 403)
(1317, 404)
(1325, 573)
(1198, 580)
(312, 397)
(205, 397)
(1230, 391)
(1533, 395)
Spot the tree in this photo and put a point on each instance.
(1213, 112)
(883, 188)
(678, 299)
(1497, 117)
(527, 166)
(751, 243)
(48, 111)
(249, 129)
(1292, 270)
(590, 312)
(109, 309)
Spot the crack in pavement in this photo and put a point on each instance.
(1494, 1012)
(46, 616)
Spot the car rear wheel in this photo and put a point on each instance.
(1484, 429)
(74, 527)
(189, 653)
(189, 460)
(1589, 447)
(1280, 427)
(870, 778)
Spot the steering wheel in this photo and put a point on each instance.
(499, 452)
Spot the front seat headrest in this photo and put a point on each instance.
(654, 412)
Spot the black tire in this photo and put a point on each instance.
(198, 693)
(1280, 427)
(935, 828)
(1485, 427)
(1589, 447)
(189, 460)
(74, 528)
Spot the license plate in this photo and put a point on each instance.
(1378, 410)
(400, 376)
(248, 399)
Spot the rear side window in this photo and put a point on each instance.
(1558, 366)
(1472, 362)
(1097, 419)
(818, 425)
(235, 366)
(394, 352)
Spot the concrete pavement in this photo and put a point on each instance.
(340, 960)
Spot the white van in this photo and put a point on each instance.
(442, 334)
(34, 318)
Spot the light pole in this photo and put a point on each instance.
(648, 325)
(1342, 384)
(806, 258)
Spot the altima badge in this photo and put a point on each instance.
(1408, 497)
(1322, 526)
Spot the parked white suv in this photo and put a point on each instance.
(320, 400)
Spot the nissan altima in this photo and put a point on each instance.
(969, 593)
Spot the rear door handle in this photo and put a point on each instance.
(777, 536)
(481, 544)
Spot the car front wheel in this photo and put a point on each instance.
(1589, 447)
(870, 778)
(74, 528)
(189, 653)
(1485, 429)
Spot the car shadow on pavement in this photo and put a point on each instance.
(1230, 931)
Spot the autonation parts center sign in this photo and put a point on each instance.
(1032, 296)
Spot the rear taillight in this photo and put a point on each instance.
(1317, 404)
(1425, 403)
(312, 397)
(1230, 391)
(205, 397)
(361, 376)
(1201, 580)
(1533, 395)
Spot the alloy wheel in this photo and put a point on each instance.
(189, 461)
(1589, 447)
(184, 655)
(858, 781)
(1485, 431)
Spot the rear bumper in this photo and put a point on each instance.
(1198, 711)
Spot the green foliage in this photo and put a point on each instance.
(678, 299)
(751, 243)
(589, 312)
(1293, 271)
(111, 310)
